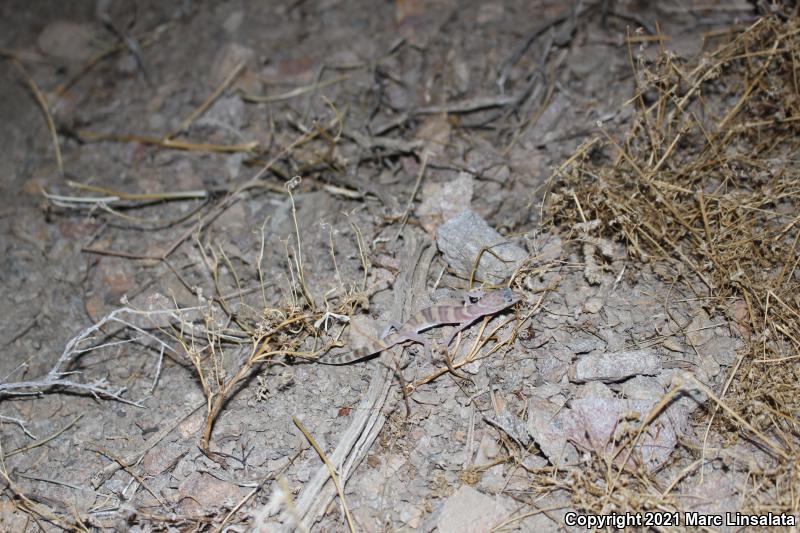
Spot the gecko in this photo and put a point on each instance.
(430, 317)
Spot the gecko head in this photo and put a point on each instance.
(499, 299)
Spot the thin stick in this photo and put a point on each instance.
(331, 469)
(89, 136)
(413, 194)
(298, 91)
(44, 440)
(255, 490)
(202, 108)
(42, 101)
(291, 184)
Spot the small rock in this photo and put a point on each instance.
(548, 127)
(512, 426)
(707, 367)
(532, 462)
(227, 58)
(489, 12)
(462, 238)
(233, 22)
(233, 165)
(156, 121)
(494, 479)
(473, 367)
(595, 389)
(615, 342)
(162, 458)
(227, 112)
(613, 367)
(469, 511)
(487, 451)
(66, 40)
(596, 424)
(552, 368)
(584, 344)
(724, 485)
(593, 305)
(701, 330)
(427, 397)
(115, 277)
(128, 66)
(409, 514)
(435, 133)
(443, 201)
(544, 425)
(643, 388)
(723, 349)
(673, 346)
(546, 390)
(461, 75)
(191, 426)
(201, 492)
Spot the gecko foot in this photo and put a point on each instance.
(451, 368)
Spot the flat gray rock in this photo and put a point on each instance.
(612, 367)
(461, 240)
(469, 511)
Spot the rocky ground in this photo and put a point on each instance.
(199, 198)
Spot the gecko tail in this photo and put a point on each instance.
(342, 358)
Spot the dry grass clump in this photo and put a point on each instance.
(705, 185)
(271, 333)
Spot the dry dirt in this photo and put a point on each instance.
(234, 186)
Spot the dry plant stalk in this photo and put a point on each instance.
(706, 183)
(272, 338)
(60, 377)
(279, 331)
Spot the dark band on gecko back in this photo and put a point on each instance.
(361, 353)
(437, 315)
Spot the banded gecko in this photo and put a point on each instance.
(430, 317)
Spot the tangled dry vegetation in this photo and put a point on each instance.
(227, 337)
(705, 188)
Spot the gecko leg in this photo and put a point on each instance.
(460, 327)
(401, 380)
(429, 353)
(393, 325)
(416, 337)
(404, 388)
(446, 354)
(451, 368)
(474, 294)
